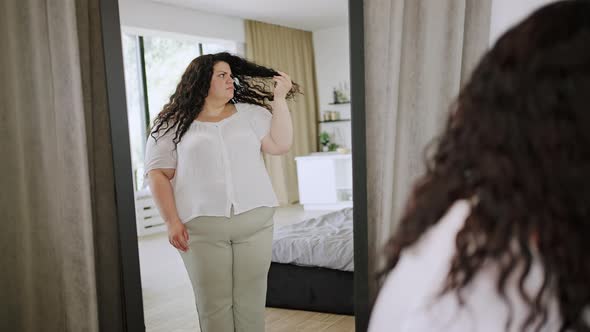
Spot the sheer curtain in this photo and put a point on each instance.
(417, 54)
(59, 242)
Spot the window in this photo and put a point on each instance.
(211, 48)
(165, 62)
(153, 68)
(135, 105)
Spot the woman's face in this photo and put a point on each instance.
(222, 84)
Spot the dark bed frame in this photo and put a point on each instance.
(333, 296)
(310, 288)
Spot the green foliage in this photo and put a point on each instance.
(324, 138)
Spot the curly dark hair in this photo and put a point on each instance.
(517, 145)
(253, 87)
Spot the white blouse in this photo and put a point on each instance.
(407, 302)
(218, 164)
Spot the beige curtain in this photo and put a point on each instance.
(417, 54)
(57, 204)
(290, 51)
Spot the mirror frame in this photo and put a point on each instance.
(132, 302)
(362, 305)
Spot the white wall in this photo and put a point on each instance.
(506, 13)
(332, 65)
(146, 15)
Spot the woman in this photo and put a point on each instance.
(496, 235)
(209, 182)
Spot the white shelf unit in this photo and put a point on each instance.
(340, 130)
(325, 180)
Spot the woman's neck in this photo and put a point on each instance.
(214, 107)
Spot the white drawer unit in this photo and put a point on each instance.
(325, 180)
(147, 215)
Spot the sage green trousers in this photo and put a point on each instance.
(228, 262)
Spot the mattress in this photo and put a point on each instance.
(325, 241)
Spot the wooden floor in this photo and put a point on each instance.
(169, 302)
(281, 320)
(277, 320)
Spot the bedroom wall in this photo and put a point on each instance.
(505, 13)
(332, 65)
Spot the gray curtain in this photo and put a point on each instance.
(59, 247)
(417, 55)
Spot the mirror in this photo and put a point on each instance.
(309, 284)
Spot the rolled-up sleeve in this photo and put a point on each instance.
(260, 120)
(160, 153)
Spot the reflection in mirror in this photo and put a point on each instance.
(241, 163)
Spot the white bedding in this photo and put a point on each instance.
(324, 241)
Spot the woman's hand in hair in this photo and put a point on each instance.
(283, 85)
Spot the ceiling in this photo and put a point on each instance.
(307, 15)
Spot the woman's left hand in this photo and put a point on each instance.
(283, 85)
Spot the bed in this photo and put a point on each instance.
(312, 265)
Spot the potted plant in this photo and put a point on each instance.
(325, 141)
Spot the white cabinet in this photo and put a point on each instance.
(325, 180)
(147, 216)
